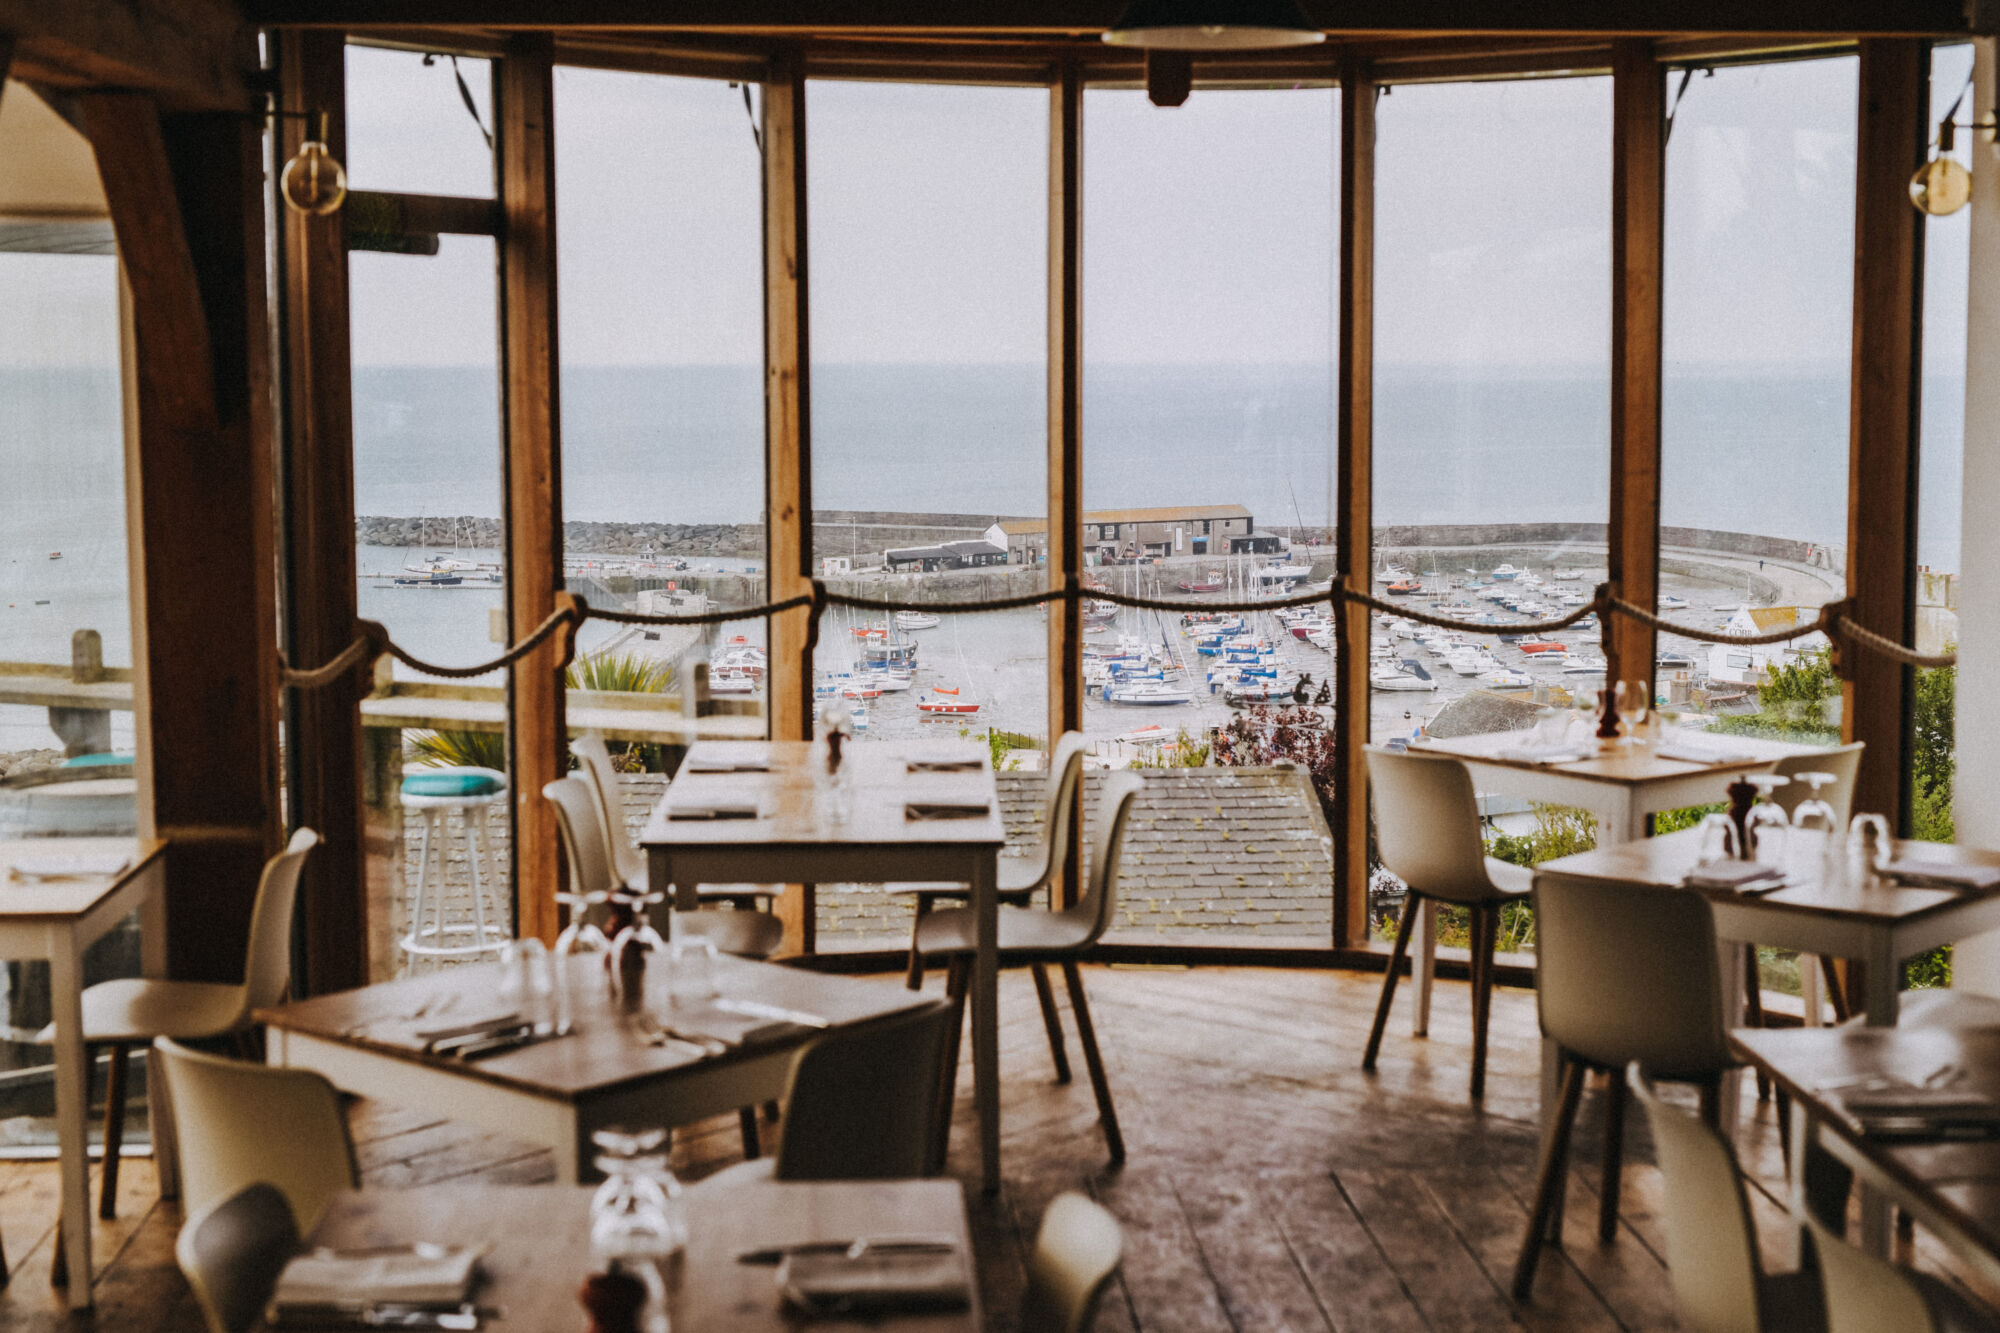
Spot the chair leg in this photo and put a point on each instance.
(1614, 1158)
(1753, 1009)
(1710, 1091)
(1051, 1020)
(1836, 988)
(1086, 1035)
(947, 1092)
(1485, 938)
(915, 979)
(1411, 902)
(746, 1116)
(1549, 1183)
(114, 1133)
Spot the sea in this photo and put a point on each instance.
(1747, 448)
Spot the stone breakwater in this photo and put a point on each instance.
(862, 535)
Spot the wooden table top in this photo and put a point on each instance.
(790, 813)
(604, 1053)
(1621, 765)
(31, 900)
(538, 1239)
(1959, 1178)
(1667, 860)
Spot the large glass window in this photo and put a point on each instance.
(1759, 312)
(1209, 264)
(410, 128)
(928, 271)
(429, 508)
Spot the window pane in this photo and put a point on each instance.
(1759, 289)
(1209, 318)
(408, 128)
(928, 269)
(663, 404)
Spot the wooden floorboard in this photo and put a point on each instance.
(1270, 1183)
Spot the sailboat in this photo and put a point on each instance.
(941, 701)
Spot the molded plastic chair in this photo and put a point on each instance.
(1427, 829)
(580, 816)
(1029, 934)
(233, 1252)
(1077, 1249)
(1719, 1284)
(1865, 1294)
(1844, 762)
(131, 1011)
(1624, 972)
(627, 861)
(1022, 877)
(863, 1104)
(239, 1123)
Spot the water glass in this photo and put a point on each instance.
(527, 976)
(1767, 825)
(1718, 839)
(581, 951)
(1868, 844)
(1635, 707)
(691, 980)
(637, 1216)
(1815, 826)
(638, 935)
(835, 792)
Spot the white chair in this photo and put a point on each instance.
(1022, 877)
(1719, 1284)
(1077, 1249)
(629, 863)
(580, 817)
(233, 1252)
(440, 928)
(1844, 763)
(132, 1011)
(239, 1123)
(1032, 934)
(1427, 829)
(1868, 1295)
(1624, 972)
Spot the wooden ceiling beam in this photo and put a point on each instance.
(189, 54)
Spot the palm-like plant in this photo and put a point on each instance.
(618, 673)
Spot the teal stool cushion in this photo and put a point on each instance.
(98, 760)
(449, 783)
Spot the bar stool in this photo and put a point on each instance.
(437, 930)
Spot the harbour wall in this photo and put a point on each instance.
(859, 534)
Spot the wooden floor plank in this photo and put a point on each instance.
(1445, 1279)
(1166, 1275)
(1261, 1285)
(1353, 1280)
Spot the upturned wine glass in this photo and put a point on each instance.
(1767, 823)
(579, 954)
(1815, 825)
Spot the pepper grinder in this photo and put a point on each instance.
(1742, 795)
(1607, 715)
(614, 1301)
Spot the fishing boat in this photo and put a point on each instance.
(1149, 692)
(1507, 573)
(941, 701)
(1151, 734)
(917, 620)
(1279, 572)
(886, 681)
(1405, 588)
(857, 717)
(55, 555)
(731, 682)
(1504, 679)
(1533, 647)
(437, 579)
(1568, 576)
(1260, 692)
(1408, 676)
(1669, 602)
(1213, 583)
(1585, 666)
(860, 689)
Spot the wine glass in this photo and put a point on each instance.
(1767, 824)
(1815, 825)
(1636, 706)
(1868, 841)
(579, 954)
(1718, 839)
(638, 934)
(637, 1216)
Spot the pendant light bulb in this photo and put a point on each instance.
(314, 182)
(1212, 25)
(1941, 187)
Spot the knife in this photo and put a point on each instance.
(372, 1314)
(775, 1012)
(857, 1247)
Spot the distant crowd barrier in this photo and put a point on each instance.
(372, 640)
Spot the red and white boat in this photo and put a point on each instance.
(1535, 646)
(1213, 583)
(941, 701)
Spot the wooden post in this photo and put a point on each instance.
(1353, 540)
(1638, 228)
(788, 430)
(531, 415)
(186, 202)
(317, 421)
(1883, 430)
(1065, 504)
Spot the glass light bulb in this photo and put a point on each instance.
(1941, 187)
(314, 181)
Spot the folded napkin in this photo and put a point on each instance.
(1702, 754)
(409, 1275)
(969, 765)
(724, 764)
(1923, 1113)
(1731, 874)
(888, 1280)
(1942, 872)
(70, 865)
(741, 809)
(1543, 754)
(945, 809)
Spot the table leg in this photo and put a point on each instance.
(1882, 981)
(1795, 1171)
(986, 1018)
(1731, 1092)
(1809, 989)
(1425, 966)
(72, 1108)
(1551, 1104)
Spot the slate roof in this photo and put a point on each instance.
(1483, 711)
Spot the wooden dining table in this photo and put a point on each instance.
(613, 1069)
(54, 920)
(537, 1243)
(794, 838)
(1951, 1186)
